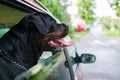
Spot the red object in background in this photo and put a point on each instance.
(80, 27)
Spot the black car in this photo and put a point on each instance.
(63, 64)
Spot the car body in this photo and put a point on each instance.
(63, 64)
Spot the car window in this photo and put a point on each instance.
(53, 68)
(45, 55)
(10, 16)
(60, 70)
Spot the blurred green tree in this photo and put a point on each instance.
(85, 10)
(55, 7)
(115, 4)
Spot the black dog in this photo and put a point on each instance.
(21, 47)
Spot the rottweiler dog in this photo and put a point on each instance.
(23, 44)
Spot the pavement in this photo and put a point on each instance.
(107, 52)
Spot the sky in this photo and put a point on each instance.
(103, 9)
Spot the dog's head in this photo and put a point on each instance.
(48, 33)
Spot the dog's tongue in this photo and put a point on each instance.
(60, 43)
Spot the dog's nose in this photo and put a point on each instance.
(63, 27)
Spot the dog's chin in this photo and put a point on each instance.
(57, 44)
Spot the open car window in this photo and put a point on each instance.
(53, 68)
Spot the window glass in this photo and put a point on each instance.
(10, 16)
(45, 55)
(53, 68)
(60, 70)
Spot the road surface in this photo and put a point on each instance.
(107, 52)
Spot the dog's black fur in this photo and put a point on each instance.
(21, 45)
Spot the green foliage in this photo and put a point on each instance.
(3, 31)
(56, 9)
(111, 26)
(106, 22)
(109, 23)
(115, 4)
(118, 11)
(85, 10)
(115, 33)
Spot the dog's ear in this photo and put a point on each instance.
(41, 21)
